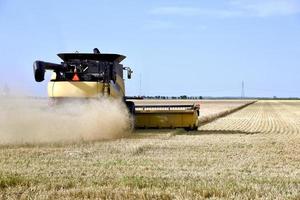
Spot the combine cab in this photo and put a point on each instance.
(94, 75)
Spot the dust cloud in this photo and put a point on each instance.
(32, 120)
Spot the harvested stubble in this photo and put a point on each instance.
(251, 154)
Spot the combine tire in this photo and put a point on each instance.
(131, 109)
(194, 128)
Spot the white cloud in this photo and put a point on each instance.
(174, 10)
(236, 8)
(193, 11)
(266, 8)
(161, 25)
(158, 25)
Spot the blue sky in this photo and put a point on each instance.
(174, 47)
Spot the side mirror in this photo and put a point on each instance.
(129, 72)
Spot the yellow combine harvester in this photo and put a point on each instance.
(94, 75)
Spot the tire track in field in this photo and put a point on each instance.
(267, 117)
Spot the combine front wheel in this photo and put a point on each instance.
(131, 109)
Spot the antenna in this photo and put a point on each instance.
(140, 89)
(243, 90)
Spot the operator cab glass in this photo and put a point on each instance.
(90, 67)
(94, 67)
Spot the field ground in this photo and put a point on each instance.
(251, 154)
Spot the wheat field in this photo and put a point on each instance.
(253, 153)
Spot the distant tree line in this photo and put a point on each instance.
(170, 97)
(207, 97)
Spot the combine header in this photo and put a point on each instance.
(167, 116)
(95, 75)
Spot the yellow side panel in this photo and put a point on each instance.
(120, 82)
(115, 93)
(74, 89)
(117, 89)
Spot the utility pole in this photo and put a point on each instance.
(243, 90)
